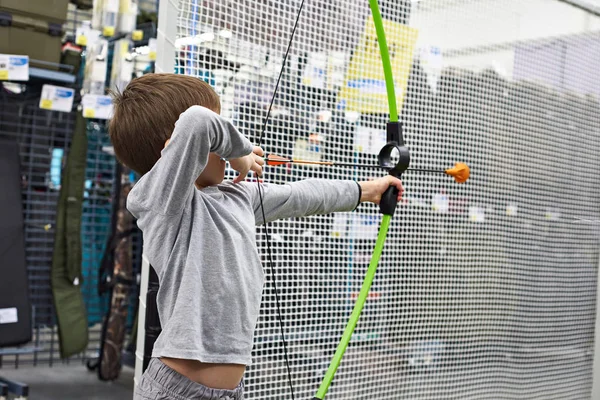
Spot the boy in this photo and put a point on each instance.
(199, 232)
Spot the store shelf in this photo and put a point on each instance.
(56, 76)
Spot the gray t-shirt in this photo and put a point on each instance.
(202, 243)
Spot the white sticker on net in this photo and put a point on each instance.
(553, 214)
(95, 106)
(14, 67)
(476, 214)
(57, 98)
(8, 315)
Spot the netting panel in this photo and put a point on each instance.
(485, 290)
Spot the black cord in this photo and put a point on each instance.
(262, 208)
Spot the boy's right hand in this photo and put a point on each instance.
(252, 162)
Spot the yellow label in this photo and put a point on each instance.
(152, 56)
(137, 35)
(364, 87)
(88, 113)
(81, 40)
(108, 31)
(3, 74)
(46, 104)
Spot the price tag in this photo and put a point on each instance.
(137, 35)
(108, 31)
(57, 98)
(14, 68)
(81, 35)
(96, 106)
(553, 214)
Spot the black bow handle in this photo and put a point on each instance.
(395, 144)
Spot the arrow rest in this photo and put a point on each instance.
(389, 200)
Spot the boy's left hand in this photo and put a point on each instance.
(372, 191)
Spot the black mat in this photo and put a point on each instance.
(15, 310)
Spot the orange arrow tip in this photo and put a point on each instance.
(461, 172)
(276, 160)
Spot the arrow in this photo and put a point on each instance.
(461, 171)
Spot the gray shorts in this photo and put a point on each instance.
(160, 382)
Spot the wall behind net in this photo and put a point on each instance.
(485, 290)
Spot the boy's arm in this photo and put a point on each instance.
(304, 198)
(198, 131)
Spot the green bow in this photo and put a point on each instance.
(387, 216)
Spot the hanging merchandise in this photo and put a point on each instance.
(365, 87)
(105, 16)
(66, 275)
(152, 49)
(85, 35)
(128, 12)
(116, 276)
(110, 17)
(96, 68)
(122, 64)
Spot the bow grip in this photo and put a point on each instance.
(389, 200)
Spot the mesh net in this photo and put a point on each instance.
(485, 290)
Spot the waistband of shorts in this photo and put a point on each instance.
(180, 385)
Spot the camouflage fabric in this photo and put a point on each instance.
(116, 320)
